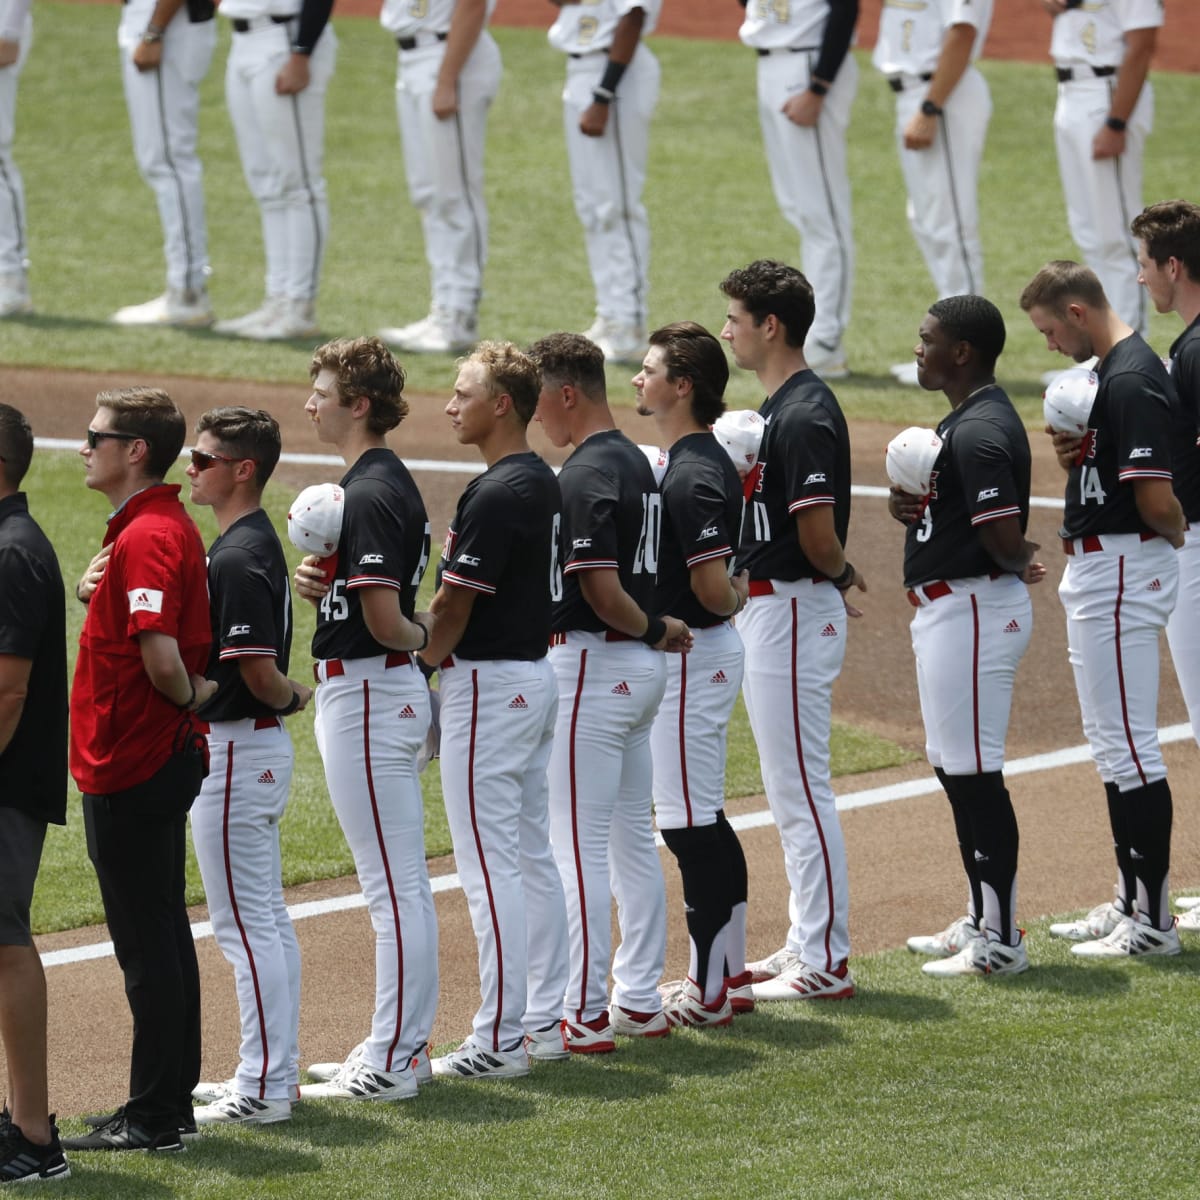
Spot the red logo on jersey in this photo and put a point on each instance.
(266, 777)
(448, 548)
(407, 711)
(1012, 627)
(829, 631)
(719, 677)
(932, 487)
(753, 481)
(1154, 586)
(622, 689)
(518, 702)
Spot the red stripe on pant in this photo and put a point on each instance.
(575, 838)
(683, 774)
(1137, 762)
(975, 680)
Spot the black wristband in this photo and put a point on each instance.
(818, 88)
(1115, 124)
(611, 77)
(290, 707)
(656, 630)
(929, 109)
(424, 641)
(602, 95)
(846, 578)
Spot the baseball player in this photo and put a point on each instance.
(16, 36)
(610, 681)
(681, 385)
(373, 704)
(927, 49)
(1120, 531)
(609, 97)
(280, 62)
(499, 704)
(235, 820)
(447, 75)
(166, 47)
(794, 624)
(1104, 113)
(807, 81)
(966, 559)
(1168, 237)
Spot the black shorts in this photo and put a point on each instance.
(21, 838)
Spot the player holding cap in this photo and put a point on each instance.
(965, 559)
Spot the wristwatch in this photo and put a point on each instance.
(929, 109)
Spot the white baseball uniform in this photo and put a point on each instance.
(608, 173)
(16, 24)
(808, 165)
(942, 180)
(443, 159)
(281, 139)
(1102, 196)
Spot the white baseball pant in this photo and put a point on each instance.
(497, 730)
(608, 175)
(443, 163)
(164, 109)
(600, 821)
(235, 829)
(1183, 627)
(795, 641)
(281, 142)
(14, 249)
(811, 182)
(370, 723)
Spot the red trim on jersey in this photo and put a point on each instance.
(708, 555)
(463, 582)
(237, 918)
(575, 837)
(247, 652)
(387, 870)
(1137, 762)
(363, 581)
(996, 514)
(590, 564)
(1142, 473)
(975, 680)
(683, 776)
(809, 502)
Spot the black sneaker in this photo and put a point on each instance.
(95, 1122)
(23, 1161)
(187, 1127)
(121, 1133)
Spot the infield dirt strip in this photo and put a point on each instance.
(904, 872)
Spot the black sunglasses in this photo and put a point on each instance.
(96, 436)
(202, 459)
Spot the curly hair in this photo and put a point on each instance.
(571, 358)
(365, 367)
(510, 372)
(770, 288)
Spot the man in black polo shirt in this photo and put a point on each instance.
(33, 792)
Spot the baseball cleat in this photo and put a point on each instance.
(773, 965)
(473, 1062)
(1190, 921)
(323, 1072)
(422, 1065)
(14, 295)
(1184, 903)
(807, 983)
(120, 1133)
(244, 1110)
(827, 361)
(958, 935)
(211, 1093)
(291, 319)
(548, 1044)
(981, 957)
(630, 1023)
(683, 1004)
(1131, 939)
(741, 992)
(905, 373)
(357, 1081)
(590, 1037)
(620, 342)
(444, 331)
(264, 312)
(23, 1161)
(1099, 923)
(184, 308)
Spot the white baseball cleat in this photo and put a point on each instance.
(1190, 921)
(422, 1065)
(185, 308)
(210, 1093)
(1099, 923)
(981, 957)
(807, 983)
(1131, 939)
(773, 965)
(357, 1081)
(620, 342)
(683, 1004)
(1183, 903)
(905, 373)
(549, 1044)
(264, 312)
(444, 331)
(290, 319)
(828, 361)
(243, 1110)
(14, 294)
(740, 989)
(473, 1062)
(629, 1023)
(958, 935)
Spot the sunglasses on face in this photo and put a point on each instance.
(202, 459)
(96, 436)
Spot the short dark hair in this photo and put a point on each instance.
(571, 358)
(148, 413)
(690, 352)
(1171, 229)
(364, 366)
(16, 445)
(767, 288)
(973, 320)
(246, 433)
(512, 372)
(1061, 281)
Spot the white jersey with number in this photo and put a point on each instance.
(1093, 34)
(911, 32)
(783, 24)
(588, 26)
(406, 18)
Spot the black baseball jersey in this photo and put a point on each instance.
(1185, 375)
(503, 545)
(701, 515)
(384, 543)
(1134, 419)
(610, 520)
(981, 475)
(804, 461)
(251, 604)
(33, 626)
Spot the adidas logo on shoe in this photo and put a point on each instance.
(719, 677)
(407, 711)
(517, 702)
(622, 689)
(1012, 627)
(266, 777)
(829, 631)
(1154, 585)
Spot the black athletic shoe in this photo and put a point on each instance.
(23, 1161)
(102, 1119)
(120, 1133)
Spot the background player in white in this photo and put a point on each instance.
(610, 682)
(166, 47)
(965, 561)
(447, 75)
(499, 703)
(608, 99)
(794, 625)
(1105, 111)
(235, 820)
(681, 385)
(807, 80)
(1168, 237)
(16, 36)
(1120, 530)
(280, 62)
(373, 704)
(926, 49)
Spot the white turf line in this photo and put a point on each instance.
(1070, 756)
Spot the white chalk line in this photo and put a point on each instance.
(927, 786)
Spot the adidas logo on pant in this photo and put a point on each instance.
(829, 630)
(1012, 626)
(266, 777)
(518, 702)
(719, 677)
(408, 711)
(622, 689)
(1154, 586)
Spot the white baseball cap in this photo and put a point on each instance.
(910, 458)
(315, 519)
(740, 432)
(1067, 402)
(658, 457)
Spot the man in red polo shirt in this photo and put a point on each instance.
(134, 753)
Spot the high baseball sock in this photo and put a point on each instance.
(962, 830)
(737, 891)
(1148, 818)
(995, 839)
(1126, 883)
(698, 852)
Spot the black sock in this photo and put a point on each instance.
(699, 853)
(996, 841)
(1148, 816)
(962, 830)
(1127, 884)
